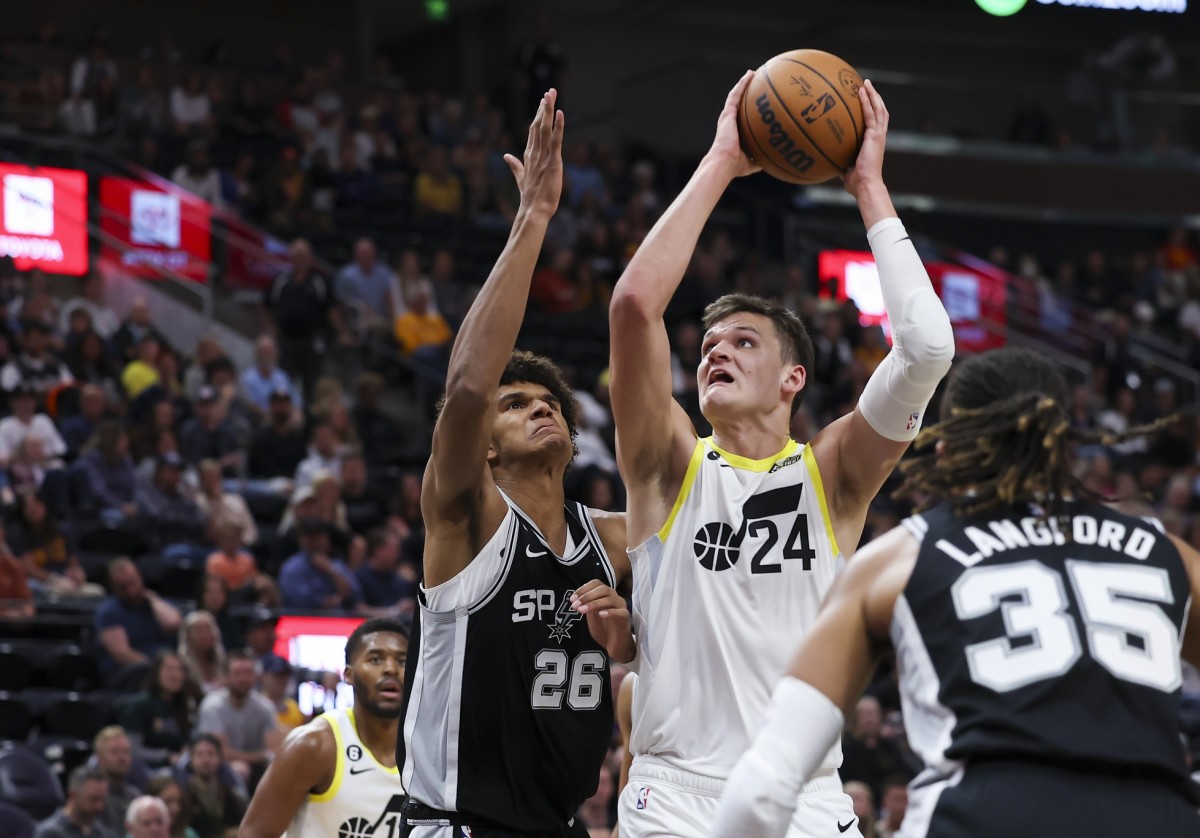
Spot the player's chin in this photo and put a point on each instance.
(386, 706)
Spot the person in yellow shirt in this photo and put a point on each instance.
(437, 191)
(276, 679)
(424, 337)
(142, 372)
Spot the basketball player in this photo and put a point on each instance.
(738, 536)
(1037, 638)
(337, 774)
(510, 713)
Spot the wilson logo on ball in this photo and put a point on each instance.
(780, 140)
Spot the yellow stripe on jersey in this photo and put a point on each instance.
(338, 765)
(689, 477)
(819, 490)
(746, 463)
(394, 769)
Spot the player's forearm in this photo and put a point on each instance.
(489, 331)
(874, 203)
(654, 273)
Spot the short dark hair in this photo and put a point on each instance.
(377, 537)
(372, 626)
(83, 775)
(216, 365)
(239, 655)
(210, 738)
(794, 341)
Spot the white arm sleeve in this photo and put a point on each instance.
(760, 795)
(895, 398)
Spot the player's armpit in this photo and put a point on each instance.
(305, 764)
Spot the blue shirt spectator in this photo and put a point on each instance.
(111, 478)
(265, 378)
(367, 282)
(382, 585)
(133, 624)
(313, 578)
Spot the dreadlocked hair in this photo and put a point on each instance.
(1006, 439)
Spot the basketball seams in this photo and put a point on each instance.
(858, 137)
(784, 107)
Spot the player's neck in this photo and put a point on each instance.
(750, 438)
(378, 735)
(541, 499)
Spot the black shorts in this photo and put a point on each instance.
(1006, 799)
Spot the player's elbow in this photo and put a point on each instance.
(631, 304)
(924, 338)
(466, 390)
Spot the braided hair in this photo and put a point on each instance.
(1005, 438)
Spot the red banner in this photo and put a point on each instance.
(158, 231)
(43, 218)
(974, 298)
(255, 258)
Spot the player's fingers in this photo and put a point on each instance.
(864, 100)
(587, 587)
(546, 116)
(735, 95)
(614, 614)
(556, 136)
(517, 167)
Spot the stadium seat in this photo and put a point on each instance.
(15, 716)
(16, 669)
(73, 669)
(16, 821)
(62, 753)
(26, 781)
(76, 715)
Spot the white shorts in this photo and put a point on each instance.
(663, 802)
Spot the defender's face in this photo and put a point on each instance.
(530, 423)
(377, 674)
(741, 369)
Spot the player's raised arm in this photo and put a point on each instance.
(858, 452)
(654, 435)
(458, 474)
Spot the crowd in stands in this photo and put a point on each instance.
(185, 502)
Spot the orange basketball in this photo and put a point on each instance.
(800, 117)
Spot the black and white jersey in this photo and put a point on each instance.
(509, 714)
(1020, 638)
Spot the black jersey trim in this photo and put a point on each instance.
(597, 542)
(581, 544)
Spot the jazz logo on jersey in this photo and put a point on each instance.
(643, 798)
(531, 603)
(719, 547)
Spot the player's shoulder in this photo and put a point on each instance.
(313, 741)
(610, 526)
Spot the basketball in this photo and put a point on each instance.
(800, 118)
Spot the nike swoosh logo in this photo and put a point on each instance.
(840, 827)
(529, 552)
(365, 770)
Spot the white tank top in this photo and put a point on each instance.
(721, 596)
(364, 798)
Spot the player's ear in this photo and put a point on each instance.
(794, 379)
(348, 675)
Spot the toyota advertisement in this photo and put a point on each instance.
(152, 231)
(43, 219)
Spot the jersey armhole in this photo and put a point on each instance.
(814, 473)
(338, 765)
(685, 489)
(477, 582)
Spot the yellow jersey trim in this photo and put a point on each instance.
(746, 463)
(394, 770)
(689, 478)
(819, 488)
(338, 765)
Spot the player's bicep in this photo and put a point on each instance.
(304, 765)
(1191, 629)
(457, 466)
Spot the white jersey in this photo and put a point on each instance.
(364, 799)
(721, 595)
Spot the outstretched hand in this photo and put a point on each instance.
(727, 144)
(539, 175)
(868, 167)
(607, 619)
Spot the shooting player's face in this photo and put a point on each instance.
(377, 674)
(741, 370)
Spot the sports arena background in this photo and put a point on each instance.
(167, 171)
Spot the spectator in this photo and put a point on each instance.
(34, 367)
(79, 429)
(867, 756)
(365, 508)
(408, 281)
(864, 807)
(234, 565)
(241, 718)
(384, 590)
(302, 309)
(208, 435)
(278, 449)
(240, 416)
(208, 349)
(199, 176)
(16, 600)
(132, 626)
(594, 812)
(24, 422)
(895, 805)
(437, 191)
(168, 514)
(142, 372)
(148, 817)
(322, 456)
(261, 381)
(111, 480)
(202, 652)
(168, 790)
(424, 337)
(376, 431)
(451, 294)
(313, 578)
(366, 284)
(319, 500)
(137, 325)
(260, 634)
(91, 299)
(142, 108)
(87, 72)
(161, 715)
(215, 803)
(114, 758)
(354, 183)
(277, 678)
(191, 110)
(44, 552)
(29, 468)
(83, 813)
(221, 507)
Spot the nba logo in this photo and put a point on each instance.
(913, 419)
(643, 799)
(466, 832)
(29, 205)
(154, 218)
